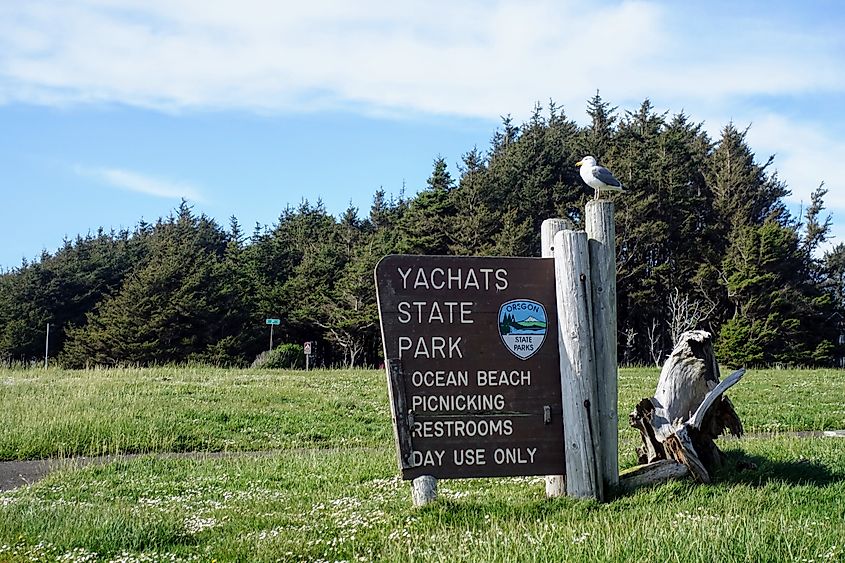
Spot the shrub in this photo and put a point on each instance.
(284, 356)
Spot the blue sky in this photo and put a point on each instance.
(112, 110)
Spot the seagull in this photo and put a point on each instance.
(598, 177)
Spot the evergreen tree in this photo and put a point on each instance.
(598, 137)
(743, 193)
(425, 224)
(703, 227)
(532, 177)
(171, 308)
(25, 311)
(816, 231)
(60, 289)
(474, 222)
(834, 282)
(776, 310)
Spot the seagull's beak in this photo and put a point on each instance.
(579, 163)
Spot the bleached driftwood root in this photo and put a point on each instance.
(687, 413)
(651, 473)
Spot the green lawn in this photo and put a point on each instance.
(65, 413)
(330, 492)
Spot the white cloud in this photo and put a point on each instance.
(460, 58)
(475, 58)
(140, 183)
(805, 156)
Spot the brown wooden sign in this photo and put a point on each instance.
(471, 351)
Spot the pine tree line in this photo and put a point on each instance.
(703, 236)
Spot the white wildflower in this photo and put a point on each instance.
(582, 538)
(78, 555)
(195, 524)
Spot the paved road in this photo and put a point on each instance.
(14, 474)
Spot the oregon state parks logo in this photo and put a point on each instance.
(522, 326)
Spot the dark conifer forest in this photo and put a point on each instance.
(704, 240)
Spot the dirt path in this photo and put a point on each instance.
(14, 474)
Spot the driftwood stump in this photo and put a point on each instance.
(687, 413)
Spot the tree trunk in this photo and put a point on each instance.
(688, 410)
(651, 473)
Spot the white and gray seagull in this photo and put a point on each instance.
(598, 177)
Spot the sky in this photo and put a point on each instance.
(112, 111)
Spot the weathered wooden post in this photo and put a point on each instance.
(602, 247)
(424, 487)
(577, 365)
(424, 490)
(555, 484)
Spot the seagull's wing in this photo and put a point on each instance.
(606, 176)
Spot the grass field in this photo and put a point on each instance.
(176, 410)
(330, 493)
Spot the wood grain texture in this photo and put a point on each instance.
(601, 232)
(652, 474)
(555, 484)
(689, 410)
(577, 365)
(548, 230)
(424, 490)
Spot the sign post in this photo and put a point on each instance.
(272, 323)
(555, 484)
(493, 364)
(578, 365)
(471, 351)
(307, 347)
(601, 231)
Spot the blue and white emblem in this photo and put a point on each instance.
(522, 326)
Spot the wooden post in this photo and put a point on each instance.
(548, 230)
(577, 365)
(424, 490)
(602, 244)
(424, 487)
(555, 484)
